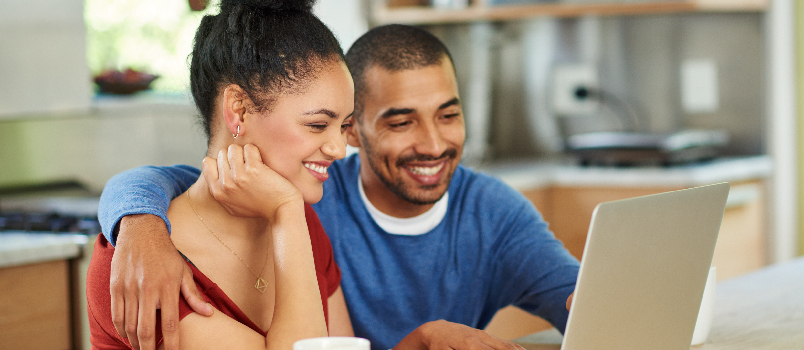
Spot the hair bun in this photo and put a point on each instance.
(275, 5)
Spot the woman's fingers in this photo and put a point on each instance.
(251, 154)
(237, 164)
(246, 186)
(210, 169)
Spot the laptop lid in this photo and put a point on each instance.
(644, 269)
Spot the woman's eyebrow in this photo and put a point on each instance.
(328, 112)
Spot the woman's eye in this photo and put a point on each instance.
(346, 126)
(319, 127)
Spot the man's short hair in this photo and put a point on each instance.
(393, 47)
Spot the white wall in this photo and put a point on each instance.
(346, 18)
(116, 135)
(42, 57)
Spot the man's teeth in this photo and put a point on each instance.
(317, 168)
(426, 171)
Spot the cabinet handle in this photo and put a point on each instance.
(742, 195)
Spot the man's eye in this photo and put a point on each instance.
(448, 116)
(397, 125)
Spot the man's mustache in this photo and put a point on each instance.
(449, 153)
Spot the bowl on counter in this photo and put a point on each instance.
(125, 82)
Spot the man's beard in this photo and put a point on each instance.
(399, 187)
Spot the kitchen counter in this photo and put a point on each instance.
(24, 248)
(539, 174)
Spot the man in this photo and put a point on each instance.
(429, 250)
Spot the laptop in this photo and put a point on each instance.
(644, 269)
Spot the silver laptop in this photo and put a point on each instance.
(644, 269)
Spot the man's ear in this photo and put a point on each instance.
(353, 135)
(235, 101)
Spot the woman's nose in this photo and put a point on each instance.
(335, 147)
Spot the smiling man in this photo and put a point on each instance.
(429, 250)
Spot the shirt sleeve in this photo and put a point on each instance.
(142, 190)
(534, 269)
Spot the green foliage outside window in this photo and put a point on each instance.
(154, 36)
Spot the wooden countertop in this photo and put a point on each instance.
(538, 174)
(762, 310)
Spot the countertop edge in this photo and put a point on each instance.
(546, 174)
(33, 248)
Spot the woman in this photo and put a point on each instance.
(275, 99)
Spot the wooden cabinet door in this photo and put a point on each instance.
(741, 245)
(572, 209)
(35, 306)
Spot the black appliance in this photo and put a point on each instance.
(639, 148)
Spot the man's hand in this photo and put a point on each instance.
(443, 335)
(147, 274)
(569, 300)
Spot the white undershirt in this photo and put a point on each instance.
(414, 226)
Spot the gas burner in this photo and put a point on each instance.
(48, 223)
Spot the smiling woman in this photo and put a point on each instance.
(275, 99)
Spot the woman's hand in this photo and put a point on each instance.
(245, 186)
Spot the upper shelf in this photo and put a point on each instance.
(480, 11)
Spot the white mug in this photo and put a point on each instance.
(706, 311)
(332, 343)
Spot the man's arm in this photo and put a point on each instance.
(143, 190)
(534, 270)
(147, 271)
(444, 335)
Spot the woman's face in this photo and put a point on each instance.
(304, 132)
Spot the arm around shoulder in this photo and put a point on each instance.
(142, 190)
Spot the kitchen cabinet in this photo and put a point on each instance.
(741, 244)
(35, 306)
(42, 294)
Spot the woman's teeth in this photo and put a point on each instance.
(317, 168)
(426, 171)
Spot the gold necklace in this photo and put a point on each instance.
(261, 285)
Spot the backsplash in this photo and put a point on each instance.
(115, 135)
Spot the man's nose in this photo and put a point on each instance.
(430, 140)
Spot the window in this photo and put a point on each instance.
(154, 36)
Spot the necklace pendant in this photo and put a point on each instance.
(261, 285)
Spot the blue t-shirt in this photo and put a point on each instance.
(492, 249)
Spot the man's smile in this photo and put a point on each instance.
(425, 170)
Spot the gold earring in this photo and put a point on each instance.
(238, 132)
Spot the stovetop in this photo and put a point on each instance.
(48, 222)
(49, 214)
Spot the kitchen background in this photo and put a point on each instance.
(746, 59)
(53, 126)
